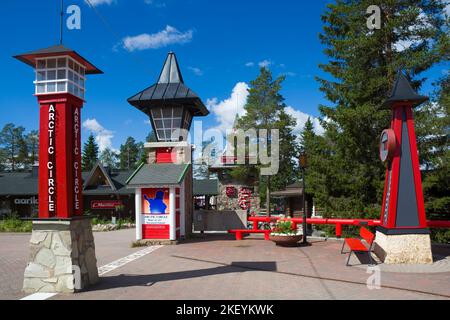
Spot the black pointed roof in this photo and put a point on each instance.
(170, 89)
(403, 92)
(30, 57)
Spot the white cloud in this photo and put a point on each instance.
(250, 64)
(196, 71)
(301, 118)
(155, 3)
(422, 22)
(98, 2)
(103, 137)
(265, 63)
(226, 110)
(163, 38)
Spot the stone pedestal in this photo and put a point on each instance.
(403, 248)
(62, 257)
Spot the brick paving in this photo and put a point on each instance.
(110, 246)
(219, 268)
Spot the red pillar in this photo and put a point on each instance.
(60, 186)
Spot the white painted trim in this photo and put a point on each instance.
(172, 211)
(123, 261)
(183, 209)
(39, 296)
(138, 208)
(168, 144)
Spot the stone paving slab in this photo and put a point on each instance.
(14, 250)
(219, 268)
(222, 269)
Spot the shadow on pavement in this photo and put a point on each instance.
(124, 280)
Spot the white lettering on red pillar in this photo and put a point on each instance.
(51, 182)
(77, 160)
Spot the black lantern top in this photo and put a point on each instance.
(169, 103)
(402, 92)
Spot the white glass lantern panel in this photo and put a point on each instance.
(161, 134)
(177, 112)
(40, 76)
(75, 90)
(40, 88)
(82, 71)
(71, 75)
(61, 86)
(167, 113)
(41, 64)
(168, 124)
(82, 82)
(158, 124)
(51, 87)
(71, 87)
(70, 64)
(75, 78)
(62, 62)
(51, 75)
(169, 135)
(82, 94)
(51, 63)
(62, 74)
(176, 123)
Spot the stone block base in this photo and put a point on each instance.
(403, 249)
(62, 257)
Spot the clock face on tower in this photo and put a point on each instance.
(388, 144)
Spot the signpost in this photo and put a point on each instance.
(60, 89)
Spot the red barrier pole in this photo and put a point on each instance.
(338, 230)
(356, 222)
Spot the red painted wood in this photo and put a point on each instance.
(65, 143)
(165, 155)
(397, 123)
(156, 232)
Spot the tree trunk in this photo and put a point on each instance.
(268, 196)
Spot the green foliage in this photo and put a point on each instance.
(130, 154)
(265, 109)
(12, 143)
(14, 224)
(109, 158)
(345, 175)
(284, 226)
(90, 154)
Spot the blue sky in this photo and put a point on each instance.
(219, 45)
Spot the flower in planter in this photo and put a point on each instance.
(285, 227)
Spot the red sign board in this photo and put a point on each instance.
(105, 204)
(156, 209)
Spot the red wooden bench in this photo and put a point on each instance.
(240, 233)
(356, 245)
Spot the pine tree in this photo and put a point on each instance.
(129, 154)
(363, 65)
(90, 154)
(32, 141)
(433, 128)
(10, 139)
(265, 109)
(109, 158)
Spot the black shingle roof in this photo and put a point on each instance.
(23, 183)
(170, 89)
(206, 187)
(403, 92)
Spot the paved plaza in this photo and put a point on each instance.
(217, 267)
